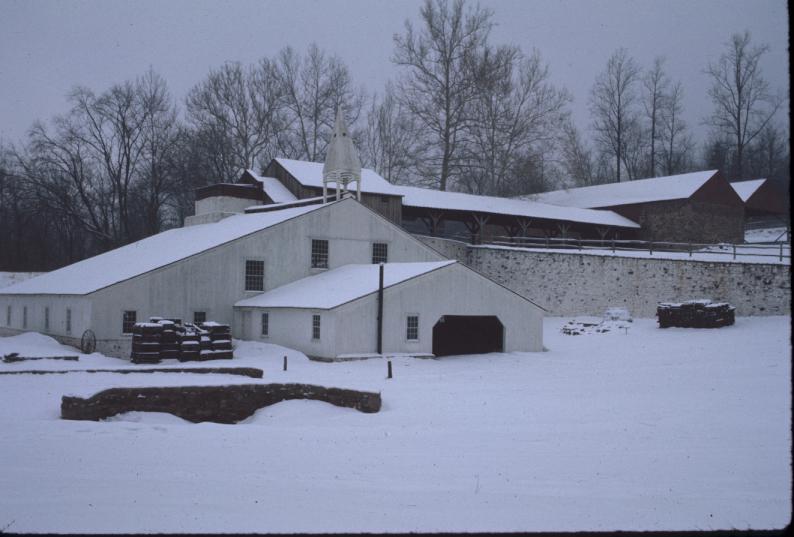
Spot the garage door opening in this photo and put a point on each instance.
(467, 334)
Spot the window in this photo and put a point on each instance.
(319, 253)
(128, 321)
(315, 327)
(412, 327)
(199, 317)
(8, 315)
(68, 321)
(265, 324)
(254, 275)
(380, 252)
(46, 318)
(25, 317)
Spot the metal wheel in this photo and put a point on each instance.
(88, 342)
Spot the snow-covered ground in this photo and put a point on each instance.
(673, 429)
(774, 234)
(10, 278)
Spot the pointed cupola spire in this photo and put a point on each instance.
(341, 161)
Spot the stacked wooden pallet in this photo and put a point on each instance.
(170, 339)
(695, 314)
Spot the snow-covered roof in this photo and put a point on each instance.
(273, 188)
(311, 174)
(745, 189)
(672, 187)
(458, 201)
(149, 254)
(339, 286)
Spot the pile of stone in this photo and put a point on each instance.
(170, 339)
(695, 314)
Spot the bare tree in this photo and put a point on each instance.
(390, 142)
(514, 123)
(768, 155)
(675, 143)
(312, 87)
(438, 82)
(577, 159)
(655, 82)
(236, 114)
(743, 104)
(612, 106)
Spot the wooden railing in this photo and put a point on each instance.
(780, 251)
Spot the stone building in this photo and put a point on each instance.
(696, 207)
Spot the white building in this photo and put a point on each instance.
(304, 276)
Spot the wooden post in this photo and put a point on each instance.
(650, 247)
(388, 376)
(734, 251)
(380, 311)
(285, 363)
(613, 246)
(689, 249)
(781, 251)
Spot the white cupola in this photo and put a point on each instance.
(341, 161)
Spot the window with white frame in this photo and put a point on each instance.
(24, 317)
(199, 317)
(254, 275)
(412, 327)
(265, 325)
(46, 318)
(319, 253)
(128, 320)
(315, 327)
(68, 320)
(380, 252)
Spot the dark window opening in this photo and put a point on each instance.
(128, 321)
(254, 275)
(319, 253)
(315, 327)
(265, 324)
(199, 317)
(412, 327)
(380, 252)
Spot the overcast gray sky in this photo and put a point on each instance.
(47, 47)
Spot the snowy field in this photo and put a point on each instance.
(674, 429)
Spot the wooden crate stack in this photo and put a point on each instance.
(217, 343)
(170, 339)
(695, 314)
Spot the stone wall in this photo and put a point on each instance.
(219, 404)
(692, 221)
(584, 284)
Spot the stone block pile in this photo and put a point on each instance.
(171, 339)
(695, 314)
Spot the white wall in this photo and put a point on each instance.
(452, 290)
(223, 204)
(291, 327)
(36, 305)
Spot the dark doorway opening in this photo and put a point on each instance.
(467, 334)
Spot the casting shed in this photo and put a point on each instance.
(691, 207)
(437, 308)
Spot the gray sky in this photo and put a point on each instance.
(47, 47)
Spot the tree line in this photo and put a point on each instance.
(461, 114)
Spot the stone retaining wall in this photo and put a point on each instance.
(585, 284)
(219, 404)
